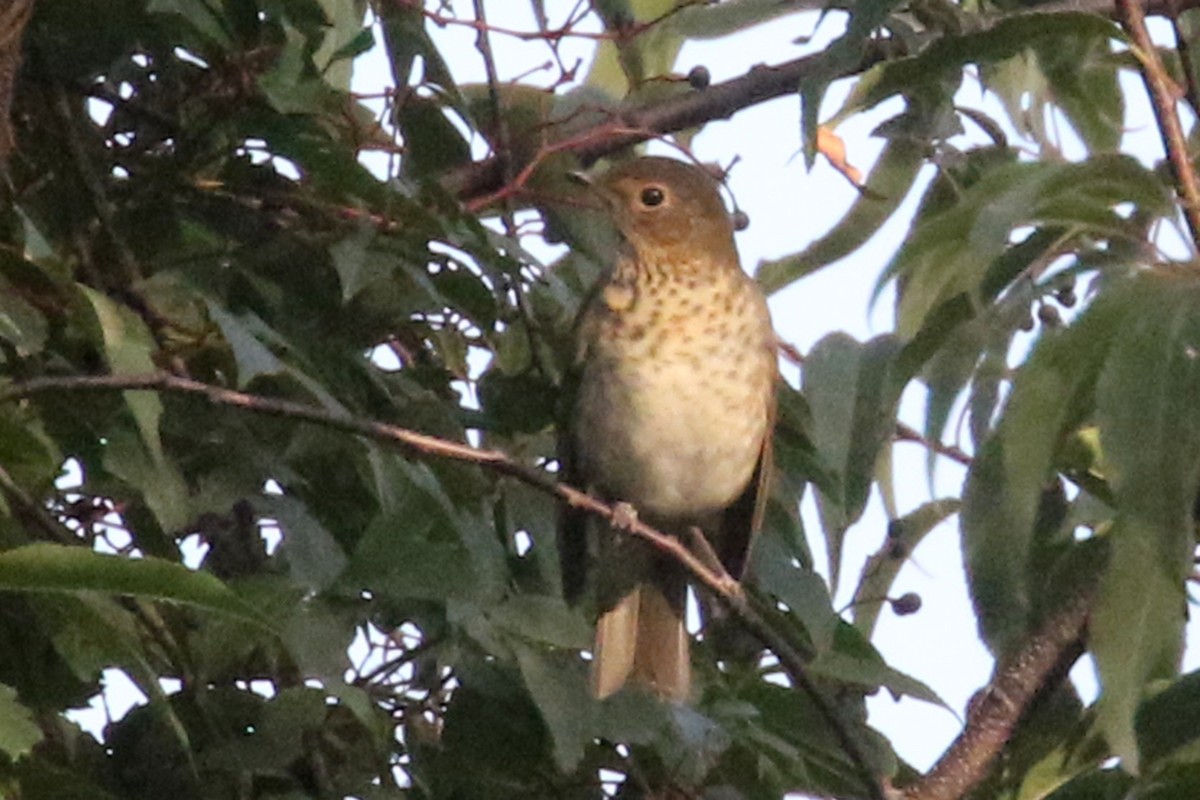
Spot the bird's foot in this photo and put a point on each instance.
(623, 516)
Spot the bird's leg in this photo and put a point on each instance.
(698, 543)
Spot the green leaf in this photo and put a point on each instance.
(397, 559)
(624, 63)
(886, 187)
(128, 348)
(714, 20)
(18, 732)
(29, 455)
(58, 568)
(949, 252)
(547, 620)
(406, 39)
(252, 357)
(850, 390)
(1102, 784)
(1136, 631)
(946, 56)
(278, 735)
(291, 85)
(881, 569)
(803, 591)
(1083, 79)
(559, 688)
(314, 557)
(840, 56)
(435, 143)
(1150, 432)
(1169, 721)
(160, 485)
(854, 661)
(345, 40)
(1051, 394)
(21, 325)
(199, 15)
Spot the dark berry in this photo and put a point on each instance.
(907, 603)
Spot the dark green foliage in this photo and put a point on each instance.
(187, 198)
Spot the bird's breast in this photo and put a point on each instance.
(674, 396)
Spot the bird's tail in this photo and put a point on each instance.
(643, 640)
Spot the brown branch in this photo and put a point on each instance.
(994, 714)
(479, 179)
(1163, 96)
(624, 128)
(724, 589)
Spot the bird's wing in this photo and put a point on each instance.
(573, 522)
(742, 520)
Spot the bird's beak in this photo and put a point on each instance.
(594, 188)
(581, 178)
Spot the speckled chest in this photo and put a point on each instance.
(678, 372)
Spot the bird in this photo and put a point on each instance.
(670, 415)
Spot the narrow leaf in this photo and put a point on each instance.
(1150, 432)
(849, 389)
(58, 568)
(886, 187)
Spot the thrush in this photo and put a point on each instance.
(671, 414)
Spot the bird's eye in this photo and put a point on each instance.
(653, 196)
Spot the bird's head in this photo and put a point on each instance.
(662, 206)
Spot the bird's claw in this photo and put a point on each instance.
(624, 516)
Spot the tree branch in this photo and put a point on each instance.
(994, 714)
(623, 128)
(1163, 93)
(473, 182)
(722, 586)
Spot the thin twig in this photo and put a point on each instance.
(907, 433)
(1163, 93)
(499, 127)
(36, 511)
(724, 589)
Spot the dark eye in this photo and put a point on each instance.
(652, 196)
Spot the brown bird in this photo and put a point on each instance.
(672, 413)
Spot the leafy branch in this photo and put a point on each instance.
(474, 182)
(991, 720)
(712, 576)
